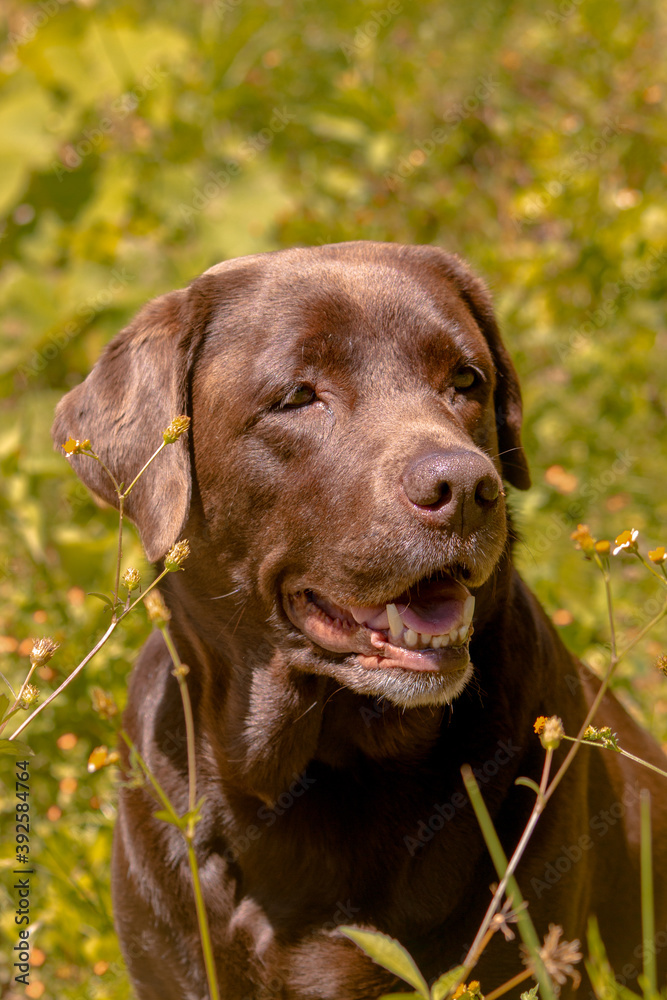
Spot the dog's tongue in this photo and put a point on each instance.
(432, 608)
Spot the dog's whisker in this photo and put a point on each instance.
(220, 597)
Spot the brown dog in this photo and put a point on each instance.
(354, 413)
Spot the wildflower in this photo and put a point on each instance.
(29, 696)
(471, 990)
(176, 555)
(102, 757)
(552, 733)
(539, 724)
(661, 664)
(658, 555)
(76, 447)
(583, 538)
(178, 426)
(43, 650)
(627, 540)
(602, 547)
(131, 579)
(559, 959)
(158, 612)
(103, 703)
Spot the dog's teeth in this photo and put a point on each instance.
(411, 637)
(395, 623)
(425, 639)
(454, 634)
(463, 631)
(444, 641)
(435, 641)
(468, 608)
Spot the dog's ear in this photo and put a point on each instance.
(508, 392)
(134, 391)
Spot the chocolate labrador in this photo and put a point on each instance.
(355, 633)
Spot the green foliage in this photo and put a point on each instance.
(142, 143)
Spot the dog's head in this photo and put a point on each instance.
(354, 415)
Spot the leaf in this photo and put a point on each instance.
(390, 954)
(531, 994)
(604, 982)
(529, 783)
(444, 983)
(168, 817)
(15, 748)
(103, 597)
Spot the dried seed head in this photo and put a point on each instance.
(158, 612)
(177, 554)
(131, 579)
(178, 426)
(43, 650)
(181, 671)
(29, 696)
(559, 959)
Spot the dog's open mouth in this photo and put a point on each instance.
(427, 627)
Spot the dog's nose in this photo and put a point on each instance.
(457, 488)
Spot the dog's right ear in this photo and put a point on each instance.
(134, 391)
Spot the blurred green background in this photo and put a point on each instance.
(143, 142)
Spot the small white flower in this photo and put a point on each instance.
(626, 540)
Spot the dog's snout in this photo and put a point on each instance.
(457, 488)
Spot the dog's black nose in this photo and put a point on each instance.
(456, 488)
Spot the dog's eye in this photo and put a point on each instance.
(466, 378)
(301, 395)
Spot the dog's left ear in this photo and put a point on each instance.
(134, 391)
(508, 393)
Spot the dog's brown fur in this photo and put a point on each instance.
(333, 791)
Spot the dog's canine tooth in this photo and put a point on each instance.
(463, 632)
(468, 608)
(411, 637)
(395, 623)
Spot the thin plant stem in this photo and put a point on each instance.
(139, 474)
(180, 672)
(68, 680)
(648, 905)
(621, 751)
(510, 984)
(506, 874)
(77, 670)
